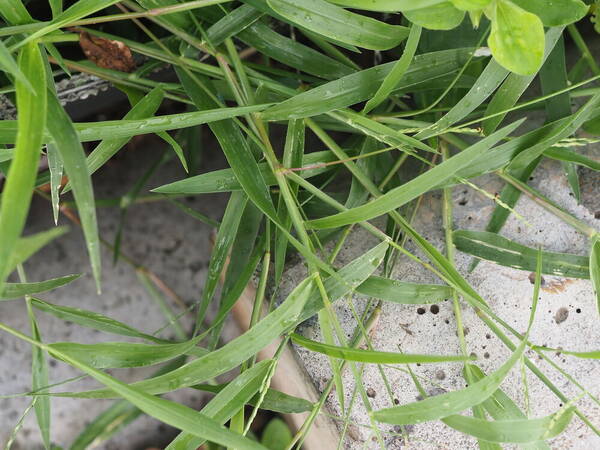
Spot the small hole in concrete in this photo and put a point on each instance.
(440, 374)
(434, 309)
(396, 401)
(447, 321)
(488, 336)
(578, 310)
(421, 311)
(486, 355)
(463, 202)
(371, 393)
(597, 215)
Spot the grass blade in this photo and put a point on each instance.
(123, 354)
(396, 74)
(493, 247)
(416, 187)
(73, 158)
(19, 185)
(9, 65)
(371, 356)
(336, 23)
(404, 293)
(363, 85)
(595, 267)
(513, 431)
(27, 246)
(55, 167)
(17, 290)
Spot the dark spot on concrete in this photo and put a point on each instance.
(486, 355)
(578, 310)
(473, 355)
(597, 215)
(420, 311)
(463, 202)
(447, 321)
(466, 330)
(396, 401)
(371, 393)
(532, 279)
(440, 374)
(488, 336)
(52, 363)
(434, 309)
(561, 315)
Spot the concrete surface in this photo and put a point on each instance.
(567, 317)
(159, 236)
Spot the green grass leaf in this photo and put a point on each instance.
(123, 354)
(18, 188)
(17, 290)
(230, 355)
(74, 161)
(402, 292)
(9, 65)
(371, 356)
(403, 194)
(493, 247)
(273, 400)
(363, 85)
(90, 319)
(396, 74)
(595, 268)
(387, 5)
(517, 38)
(331, 21)
(227, 402)
(55, 167)
(27, 246)
(513, 431)
(276, 435)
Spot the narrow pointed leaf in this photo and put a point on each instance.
(404, 293)
(336, 23)
(18, 189)
(17, 290)
(371, 356)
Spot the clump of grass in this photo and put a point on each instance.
(243, 70)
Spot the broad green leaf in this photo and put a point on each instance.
(273, 400)
(489, 80)
(595, 267)
(276, 435)
(90, 319)
(18, 188)
(371, 356)
(403, 194)
(387, 5)
(230, 355)
(515, 85)
(123, 354)
(224, 180)
(493, 247)
(336, 23)
(8, 65)
(443, 16)
(6, 154)
(517, 38)
(555, 13)
(17, 290)
(363, 85)
(513, 431)
(402, 292)
(171, 413)
(74, 160)
(396, 74)
(227, 402)
(27, 246)
(593, 126)
(470, 5)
